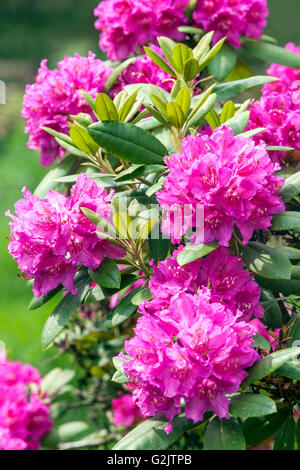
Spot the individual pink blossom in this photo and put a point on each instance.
(231, 178)
(55, 95)
(232, 18)
(192, 348)
(126, 25)
(50, 237)
(225, 275)
(24, 411)
(125, 411)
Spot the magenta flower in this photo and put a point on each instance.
(55, 95)
(232, 18)
(50, 238)
(24, 413)
(126, 25)
(230, 177)
(125, 411)
(225, 275)
(192, 348)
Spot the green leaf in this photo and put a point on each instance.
(150, 435)
(175, 115)
(223, 63)
(284, 286)
(159, 247)
(230, 89)
(193, 252)
(127, 106)
(272, 53)
(62, 312)
(273, 315)
(291, 187)
(239, 122)
(261, 342)
(224, 434)
(67, 432)
(203, 46)
(294, 330)
(289, 220)
(285, 439)
(190, 29)
(156, 114)
(252, 133)
(183, 100)
(107, 275)
(212, 119)
(278, 148)
(167, 45)
(290, 370)
(181, 54)
(55, 380)
(37, 303)
(82, 119)
(203, 110)
(289, 252)
(205, 60)
(116, 73)
(158, 60)
(227, 112)
(105, 108)
(125, 308)
(119, 378)
(142, 296)
(191, 69)
(128, 142)
(256, 430)
(269, 364)
(50, 180)
(249, 405)
(82, 139)
(265, 261)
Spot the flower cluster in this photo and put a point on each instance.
(225, 275)
(126, 25)
(232, 18)
(193, 348)
(55, 95)
(125, 411)
(24, 414)
(278, 110)
(50, 237)
(230, 177)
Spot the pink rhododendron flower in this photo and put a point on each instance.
(192, 348)
(232, 18)
(24, 413)
(230, 177)
(126, 25)
(55, 95)
(50, 237)
(225, 275)
(262, 330)
(125, 411)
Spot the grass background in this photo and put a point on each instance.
(31, 30)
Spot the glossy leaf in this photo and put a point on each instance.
(125, 308)
(227, 112)
(224, 434)
(191, 69)
(291, 187)
(107, 275)
(150, 435)
(158, 60)
(128, 142)
(230, 89)
(175, 115)
(181, 54)
(273, 54)
(289, 220)
(269, 364)
(223, 63)
(183, 100)
(285, 439)
(105, 108)
(193, 252)
(256, 430)
(142, 296)
(37, 303)
(265, 261)
(239, 122)
(246, 405)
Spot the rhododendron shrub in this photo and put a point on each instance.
(167, 235)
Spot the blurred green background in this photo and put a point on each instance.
(31, 30)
